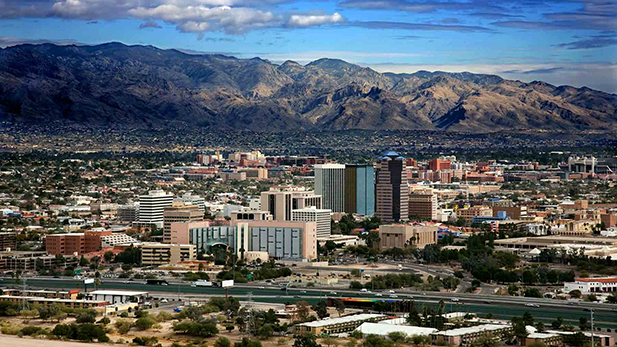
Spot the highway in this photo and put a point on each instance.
(502, 307)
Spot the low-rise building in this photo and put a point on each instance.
(466, 336)
(118, 296)
(337, 325)
(8, 241)
(592, 285)
(407, 235)
(154, 253)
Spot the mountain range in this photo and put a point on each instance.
(143, 86)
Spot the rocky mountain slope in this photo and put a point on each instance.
(140, 86)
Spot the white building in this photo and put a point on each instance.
(152, 206)
(592, 285)
(385, 329)
(538, 229)
(330, 184)
(312, 214)
(116, 239)
(118, 296)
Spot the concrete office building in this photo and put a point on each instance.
(280, 201)
(391, 191)
(330, 184)
(116, 239)
(152, 206)
(179, 214)
(282, 240)
(423, 204)
(404, 235)
(319, 216)
(154, 253)
(179, 231)
(127, 213)
(582, 164)
(360, 189)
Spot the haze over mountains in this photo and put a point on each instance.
(140, 86)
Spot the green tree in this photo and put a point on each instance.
(144, 323)
(321, 309)
(307, 340)
(222, 342)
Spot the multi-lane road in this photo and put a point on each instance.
(503, 307)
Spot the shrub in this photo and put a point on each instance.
(104, 321)
(31, 330)
(145, 340)
(86, 316)
(144, 323)
(123, 326)
(222, 342)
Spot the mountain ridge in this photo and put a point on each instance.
(142, 86)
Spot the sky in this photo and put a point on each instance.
(571, 42)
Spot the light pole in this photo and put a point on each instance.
(591, 312)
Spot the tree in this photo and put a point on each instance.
(340, 307)
(229, 328)
(108, 256)
(302, 310)
(265, 332)
(583, 324)
(574, 340)
(533, 293)
(540, 327)
(222, 342)
(556, 324)
(307, 340)
(321, 309)
(122, 326)
(86, 316)
(397, 336)
(355, 273)
(520, 330)
(575, 294)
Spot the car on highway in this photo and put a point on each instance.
(455, 300)
(333, 293)
(391, 291)
(532, 305)
(262, 287)
(297, 296)
(378, 294)
(126, 282)
(364, 290)
(303, 291)
(393, 296)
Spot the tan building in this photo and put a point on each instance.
(249, 216)
(609, 219)
(474, 211)
(337, 325)
(467, 336)
(179, 214)
(179, 231)
(280, 201)
(153, 253)
(405, 235)
(423, 203)
(256, 173)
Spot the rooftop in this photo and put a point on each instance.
(384, 329)
(471, 330)
(598, 279)
(341, 320)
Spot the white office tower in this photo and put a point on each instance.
(312, 214)
(195, 200)
(330, 184)
(152, 206)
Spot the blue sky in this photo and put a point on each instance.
(561, 42)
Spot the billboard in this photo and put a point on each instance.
(228, 283)
(89, 281)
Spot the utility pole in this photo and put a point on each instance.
(591, 311)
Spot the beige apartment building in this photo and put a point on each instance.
(179, 213)
(154, 253)
(405, 235)
(474, 211)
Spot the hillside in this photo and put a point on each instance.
(142, 86)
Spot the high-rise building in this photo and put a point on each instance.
(360, 189)
(319, 216)
(391, 191)
(439, 164)
(330, 184)
(152, 206)
(423, 204)
(128, 213)
(8, 241)
(179, 214)
(280, 201)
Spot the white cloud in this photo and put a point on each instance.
(302, 21)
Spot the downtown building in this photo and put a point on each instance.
(330, 184)
(319, 216)
(281, 201)
(360, 189)
(179, 214)
(152, 207)
(391, 191)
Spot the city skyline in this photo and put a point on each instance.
(559, 42)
